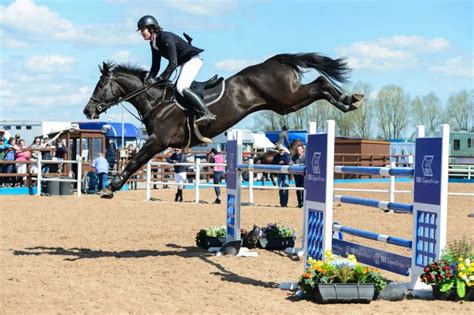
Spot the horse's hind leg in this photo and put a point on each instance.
(330, 93)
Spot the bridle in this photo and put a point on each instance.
(104, 104)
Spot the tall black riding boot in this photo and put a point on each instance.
(176, 197)
(192, 98)
(180, 192)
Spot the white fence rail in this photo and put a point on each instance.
(197, 184)
(41, 178)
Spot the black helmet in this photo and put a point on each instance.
(147, 20)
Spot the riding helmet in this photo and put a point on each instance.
(147, 20)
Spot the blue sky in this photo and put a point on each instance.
(50, 49)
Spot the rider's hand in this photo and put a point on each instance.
(161, 80)
(150, 79)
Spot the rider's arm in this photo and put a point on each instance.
(170, 52)
(155, 62)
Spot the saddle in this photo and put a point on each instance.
(210, 91)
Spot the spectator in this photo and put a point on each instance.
(10, 167)
(111, 154)
(283, 137)
(298, 159)
(217, 157)
(101, 166)
(22, 155)
(3, 150)
(60, 154)
(46, 156)
(282, 158)
(179, 171)
(35, 154)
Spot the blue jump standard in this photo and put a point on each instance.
(385, 171)
(396, 206)
(373, 236)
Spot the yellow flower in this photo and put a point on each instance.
(352, 258)
(460, 274)
(461, 266)
(460, 259)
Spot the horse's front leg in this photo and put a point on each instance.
(149, 149)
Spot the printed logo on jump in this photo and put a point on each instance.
(426, 165)
(315, 162)
(230, 162)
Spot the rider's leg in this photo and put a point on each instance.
(189, 72)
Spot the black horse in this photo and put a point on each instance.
(272, 85)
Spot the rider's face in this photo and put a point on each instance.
(145, 33)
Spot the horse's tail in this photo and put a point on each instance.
(333, 69)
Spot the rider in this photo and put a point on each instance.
(179, 53)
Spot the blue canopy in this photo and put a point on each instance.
(113, 129)
(292, 135)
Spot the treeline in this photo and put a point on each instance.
(391, 114)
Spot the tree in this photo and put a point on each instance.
(363, 116)
(428, 111)
(268, 121)
(392, 111)
(459, 110)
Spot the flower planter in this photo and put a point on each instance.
(450, 295)
(344, 292)
(276, 243)
(469, 294)
(206, 242)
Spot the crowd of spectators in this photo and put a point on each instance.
(16, 157)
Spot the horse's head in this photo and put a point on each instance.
(106, 93)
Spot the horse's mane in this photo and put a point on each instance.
(128, 68)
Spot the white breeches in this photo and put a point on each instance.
(180, 178)
(189, 71)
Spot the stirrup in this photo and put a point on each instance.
(206, 117)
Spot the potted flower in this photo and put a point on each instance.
(337, 279)
(452, 277)
(211, 237)
(276, 237)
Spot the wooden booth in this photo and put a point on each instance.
(360, 152)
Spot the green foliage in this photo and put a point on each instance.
(277, 230)
(212, 232)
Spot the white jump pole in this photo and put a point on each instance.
(197, 171)
(251, 183)
(148, 180)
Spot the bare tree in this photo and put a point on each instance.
(459, 110)
(363, 116)
(269, 121)
(427, 111)
(392, 111)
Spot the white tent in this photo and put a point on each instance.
(260, 141)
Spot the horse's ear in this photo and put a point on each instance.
(104, 69)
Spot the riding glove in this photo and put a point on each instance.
(150, 79)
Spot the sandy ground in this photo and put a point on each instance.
(65, 254)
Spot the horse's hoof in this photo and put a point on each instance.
(106, 193)
(357, 100)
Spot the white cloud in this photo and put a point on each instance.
(28, 18)
(203, 7)
(122, 56)
(234, 64)
(76, 96)
(391, 52)
(51, 63)
(458, 67)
